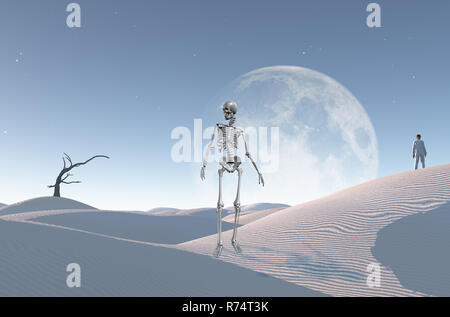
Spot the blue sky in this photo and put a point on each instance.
(136, 69)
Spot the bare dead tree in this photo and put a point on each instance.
(65, 173)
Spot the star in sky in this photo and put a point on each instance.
(18, 58)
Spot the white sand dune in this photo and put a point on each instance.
(210, 212)
(120, 256)
(43, 203)
(261, 206)
(249, 216)
(128, 225)
(252, 212)
(201, 212)
(34, 258)
(162, 209)
(326, 244)
(323, 246)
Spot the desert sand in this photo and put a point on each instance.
(322, 247)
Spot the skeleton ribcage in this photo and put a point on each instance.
(227, 142)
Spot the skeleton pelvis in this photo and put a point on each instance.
(231, 166)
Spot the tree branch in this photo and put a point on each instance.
(68, 158)
(66, 177)
(72, 182)
(87, 161)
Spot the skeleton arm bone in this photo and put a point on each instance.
(247, 153)
(208, 150)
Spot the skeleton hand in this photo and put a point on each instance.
(202, 173)
(261, 179)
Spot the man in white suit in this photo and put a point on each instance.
(419, 151)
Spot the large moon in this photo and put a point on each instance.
(326, 139)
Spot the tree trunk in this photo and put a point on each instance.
(56, 192)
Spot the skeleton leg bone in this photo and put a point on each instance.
(237, 209)
(220, 205)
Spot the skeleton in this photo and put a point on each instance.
(227, 143)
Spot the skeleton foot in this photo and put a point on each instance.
(218, 250)
(236, 246)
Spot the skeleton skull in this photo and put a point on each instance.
(229, 110)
